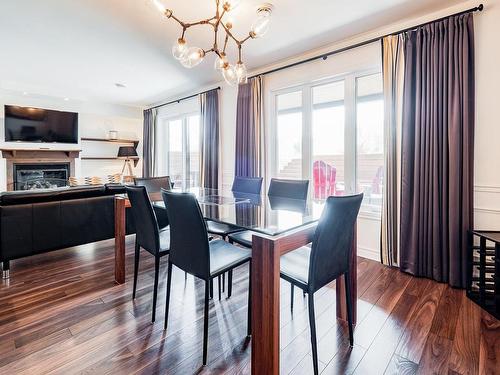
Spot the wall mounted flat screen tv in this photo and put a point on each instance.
(27, 124)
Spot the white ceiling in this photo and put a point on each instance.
(80, 48)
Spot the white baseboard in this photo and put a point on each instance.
(369, 253)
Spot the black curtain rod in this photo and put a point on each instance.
(324, 56)
(181, 99)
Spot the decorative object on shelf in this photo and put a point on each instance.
(113, 135)
(94, 180)
(127, 152)
(190, 56)
(115, 178)
(73, 181)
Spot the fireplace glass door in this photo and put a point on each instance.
(40, 176)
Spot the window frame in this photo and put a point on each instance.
(164, 122)
(350, 129)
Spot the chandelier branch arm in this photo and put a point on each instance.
(177, 20)
(206, 21)
(236, 40)
(226, 39)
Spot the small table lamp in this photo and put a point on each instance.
(127, 152)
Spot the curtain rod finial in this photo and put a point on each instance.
(480, 7)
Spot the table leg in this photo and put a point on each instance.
(353, 279)
(265, 306)
(119, 240)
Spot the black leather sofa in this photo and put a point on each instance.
(39, 221)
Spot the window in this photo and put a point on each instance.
(179, 149)
(289, 135)
(332, 134)
(370, 139)
(328, 122)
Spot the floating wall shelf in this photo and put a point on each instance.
(134, 142)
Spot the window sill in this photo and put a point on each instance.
(369, 215)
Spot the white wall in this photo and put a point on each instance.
(487, 150)
(95, 120)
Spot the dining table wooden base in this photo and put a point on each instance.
(120, 232)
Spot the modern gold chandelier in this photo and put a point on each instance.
(190, 56)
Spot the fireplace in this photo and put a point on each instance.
(38, 168)
(40, 176)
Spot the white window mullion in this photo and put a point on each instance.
(273, 144)
(350, 135)
(306, 133)
(185, 164)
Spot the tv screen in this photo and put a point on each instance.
(26, 124)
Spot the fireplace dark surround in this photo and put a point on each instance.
(40, 175)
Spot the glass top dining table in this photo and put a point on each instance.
(279, 225)
(263, 214)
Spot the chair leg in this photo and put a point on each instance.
(136, 266)
(211, 288)
(155, 291)
(291, 296)
(6, 269)
(229, 283)
(249, 321)
(169, 283)
(312, 324)
(223, 282)
(205, 324)
(349, 307)
(220, 286)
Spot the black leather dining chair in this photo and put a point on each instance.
(192, 252)
(241, 185)
(154, 185)
(247, 185)
(148, 235)
(311, 268)
(292, 189)
(250, 186)
(278, 188)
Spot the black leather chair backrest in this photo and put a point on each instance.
(287, 204)
(154, 184)
(189, 249)
(293, 189)
(332, 240)
(146, 225)
(248, 185)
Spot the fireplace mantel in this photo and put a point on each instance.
(40, 153)
(37, 156)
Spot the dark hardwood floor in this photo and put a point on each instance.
(62, 313)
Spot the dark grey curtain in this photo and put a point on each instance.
(209, 158)
(438, 149)
(148, 146)
(249, 158)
